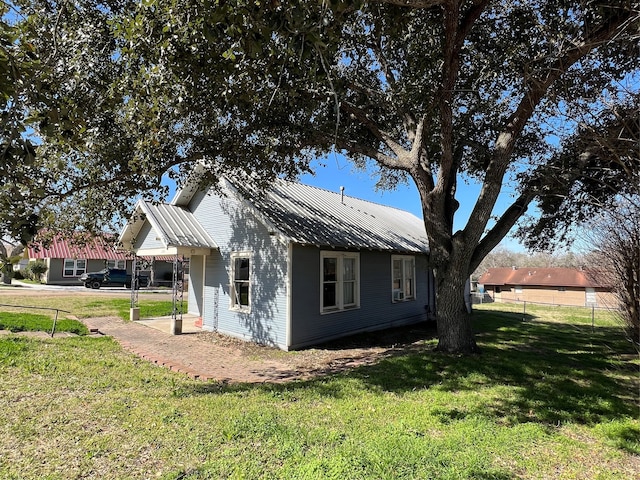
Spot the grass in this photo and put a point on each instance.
(546, 399)
(30, 322)
(92, 306)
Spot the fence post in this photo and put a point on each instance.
(593, 312)
(524, 310)
(55, 320)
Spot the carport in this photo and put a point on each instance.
(170, 230)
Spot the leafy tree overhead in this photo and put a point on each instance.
(66, 158)
(601, 163)
(428, 89)
(435, 91)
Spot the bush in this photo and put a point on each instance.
(19, 274)
(36, 269)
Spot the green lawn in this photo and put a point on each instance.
(31, 322)
(90, 306)
(546, 399)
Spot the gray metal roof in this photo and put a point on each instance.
(311, 215)
(177, 226)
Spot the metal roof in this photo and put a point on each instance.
(176, 226)
(89, 248)
(314, 216)
(548, 277)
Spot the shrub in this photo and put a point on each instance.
(36, 269)
(19, 274)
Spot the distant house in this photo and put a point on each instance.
(68, 260)
(291, 267)
(559, 286)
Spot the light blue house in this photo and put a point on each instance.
(291, 267)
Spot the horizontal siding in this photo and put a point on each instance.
(147, 238)
(377, 309)
(234, 229)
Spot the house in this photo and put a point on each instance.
(293, 266)
(67, 259)
(558, 286)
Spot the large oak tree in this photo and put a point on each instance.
(428, 89)
(435, 91)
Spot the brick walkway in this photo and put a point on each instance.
(192, 354)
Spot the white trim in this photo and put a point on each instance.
(75, 267)
(289, 286)
(339, 282)
(232, 295)
(400, 295)
(161, 252)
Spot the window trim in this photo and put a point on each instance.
(76, 271)
(232, 284)
(116, 263)
(340, 305)
(405, 298)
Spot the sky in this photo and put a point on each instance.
(335, 171)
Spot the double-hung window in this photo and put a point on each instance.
(340, 281)
(117, 264)
(241, 270)
(74, 267)
(403, 283)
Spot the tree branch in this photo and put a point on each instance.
(403, 157)
(357, 148)
(535, 89)
(501, 228)
(412, 3)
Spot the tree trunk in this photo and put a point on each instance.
(6, 278)
(455, 334)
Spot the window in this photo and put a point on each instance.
(74, 267)
(403, 285)
(340, 281)
(118, 264)
(241, 281)
(518, 289)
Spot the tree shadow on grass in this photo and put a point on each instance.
(553, 373)
(529, 371)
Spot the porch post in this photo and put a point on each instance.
(177, 296)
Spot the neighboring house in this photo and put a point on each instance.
(558, 286)
(67, 260)
(291, 267)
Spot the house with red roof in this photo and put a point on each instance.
(557, 286)
(67, 259)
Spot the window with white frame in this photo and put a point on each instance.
(403, 283)
(241, 281)
(339, 281)
(74, 267)
(118, 264)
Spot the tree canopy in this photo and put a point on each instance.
(436, 91)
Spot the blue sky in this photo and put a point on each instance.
(336, 171)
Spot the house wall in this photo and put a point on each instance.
(555, 296)
(377, 310)
(196, 284)
(55, 273)
(235, 229)
(146, 238)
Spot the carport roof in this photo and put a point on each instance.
(176, 227)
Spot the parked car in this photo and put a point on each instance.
(111, 277)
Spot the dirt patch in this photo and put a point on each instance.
(335, 356)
